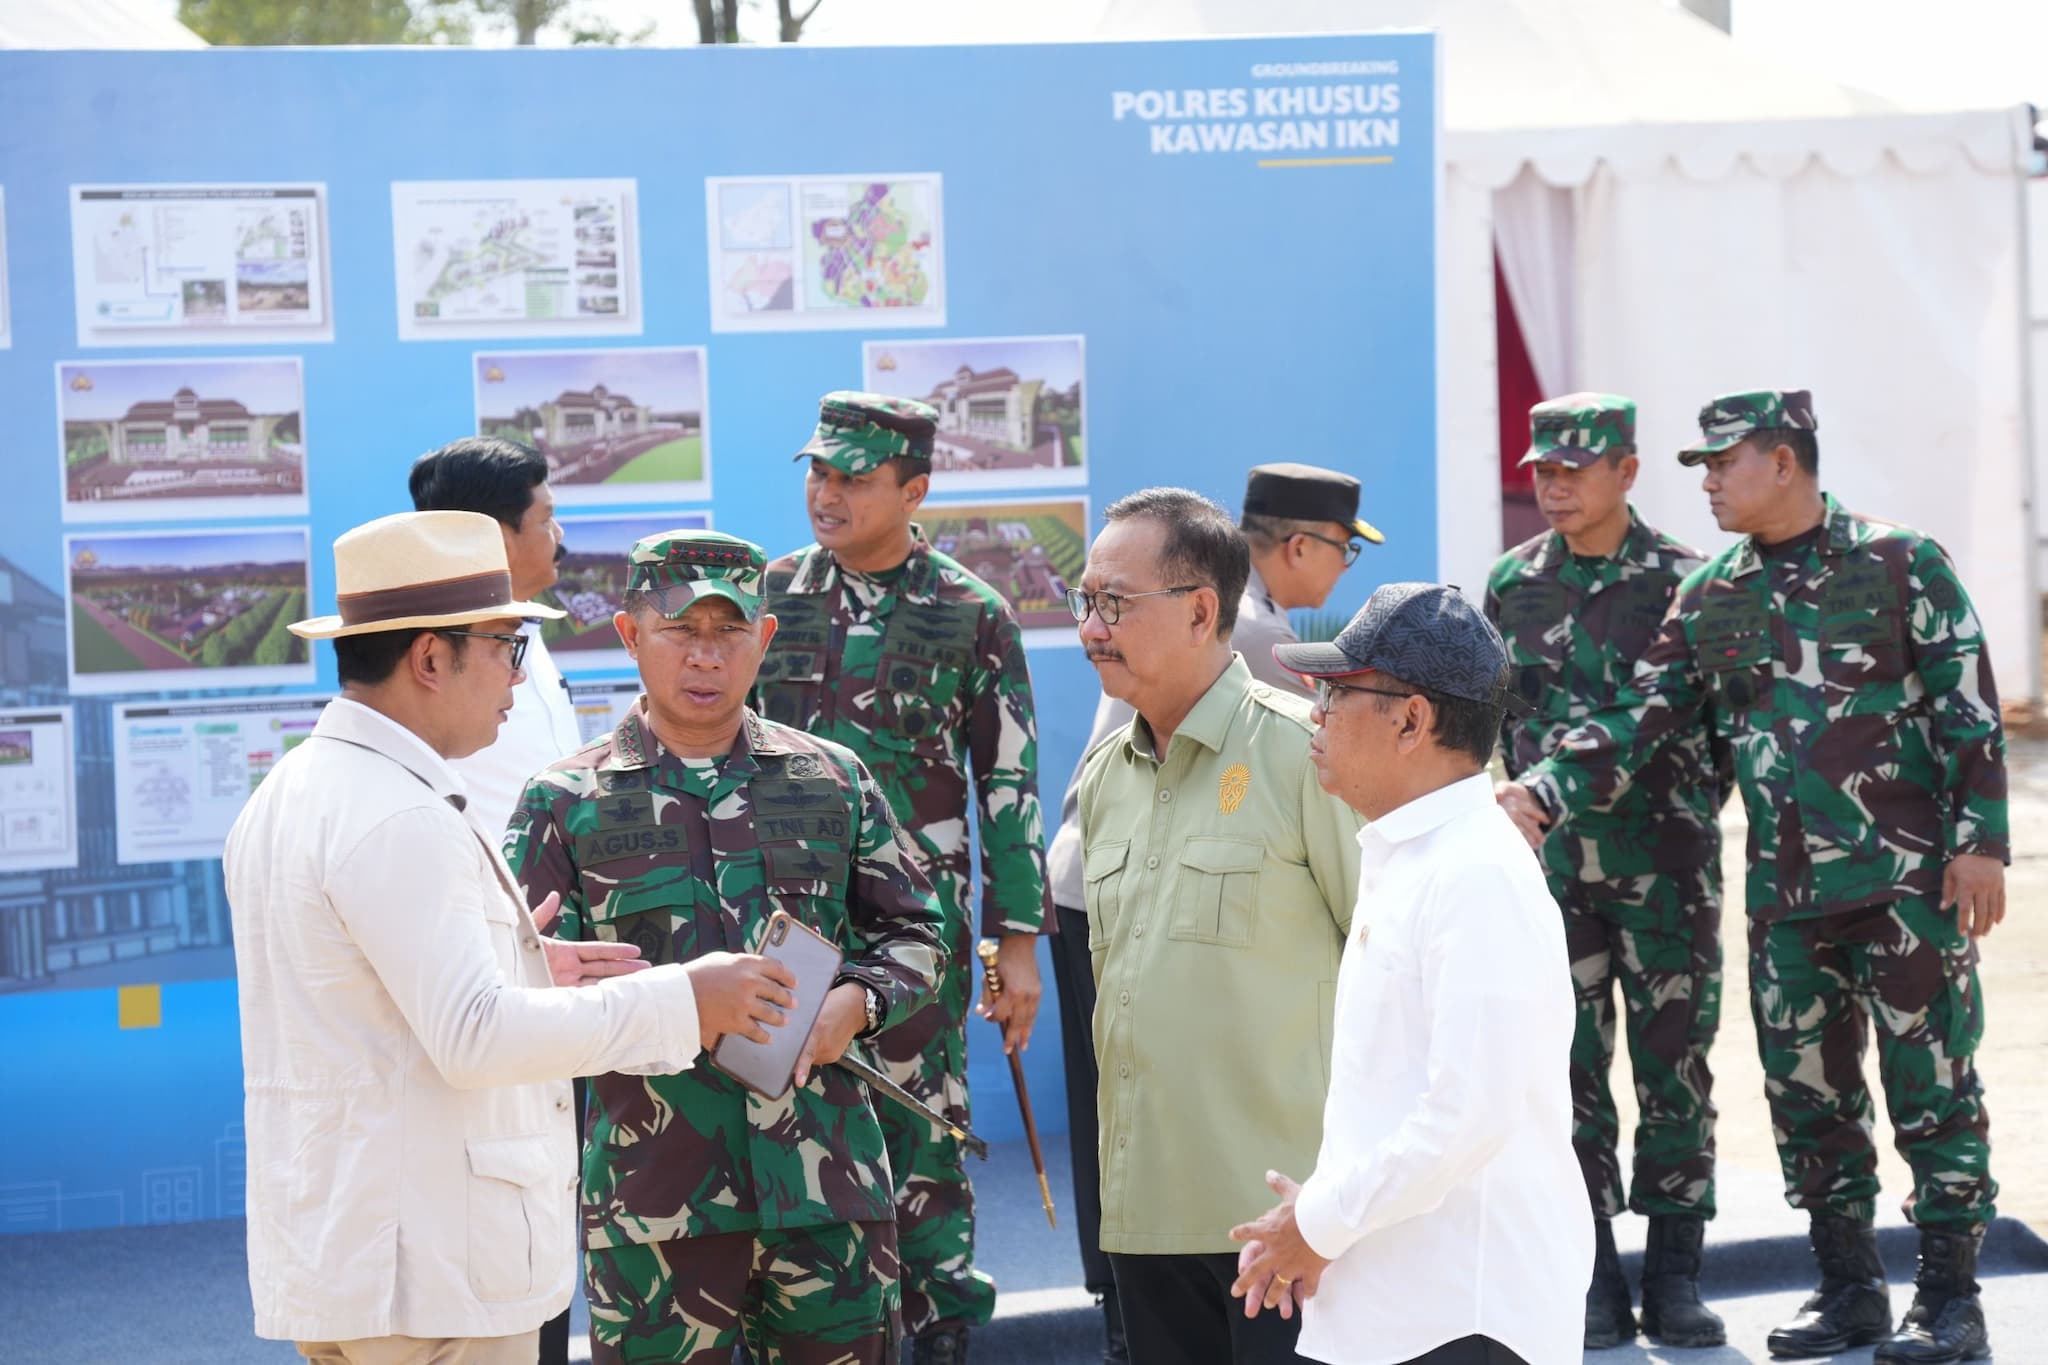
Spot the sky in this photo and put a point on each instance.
(192, 549)
(667, 380)
(615, 535)
(1978, 54)
(262, 386)
(920, 365)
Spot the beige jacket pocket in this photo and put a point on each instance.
(514, 1212)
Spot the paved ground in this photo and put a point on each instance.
(179, 1295)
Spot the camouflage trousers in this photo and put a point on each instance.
(1656, 937)
(822, 1295)
(927, 1055)
(1907, 968)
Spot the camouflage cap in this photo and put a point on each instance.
(862, 431)
(677, 568)
(1580, 428)
(1735, 417)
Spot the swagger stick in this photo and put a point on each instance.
(992, 982)
(887, 1088)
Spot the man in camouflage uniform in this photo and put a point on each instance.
(708, 1210)
(893, 649)
(1638, 877)
(1841, 659)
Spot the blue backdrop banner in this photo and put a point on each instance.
(244, 289)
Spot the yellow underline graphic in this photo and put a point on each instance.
(1330, 161)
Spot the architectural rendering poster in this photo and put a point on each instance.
(38, 825)
(184, 770)
(177, 611)
(1010, 408)
(200, 265)
(1030, 552)
(791, 254)
(189, 437)
(516, 258)
(592, 586)
(626, 426)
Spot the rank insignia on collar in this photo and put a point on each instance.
(1231, 788)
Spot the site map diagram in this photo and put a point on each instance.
(527, 257)
(810, 253)
(193, 264)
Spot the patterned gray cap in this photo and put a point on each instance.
(1422, 633)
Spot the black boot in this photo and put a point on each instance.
(1672, 1311)
(1851, 1306)
(1945, 1323)
(1609, 1319)
(939, 1346)
(1114, 1349)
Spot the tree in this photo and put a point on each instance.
(791, 24)
(455, 21)
(718, 21)
(278, 23)
(281, 23)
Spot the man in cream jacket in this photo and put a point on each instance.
(407, 1034)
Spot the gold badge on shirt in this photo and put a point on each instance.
(1231, 788)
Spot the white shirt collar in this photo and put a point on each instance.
(1428, 812)
(368, 726)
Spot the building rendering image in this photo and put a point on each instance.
(188, 441)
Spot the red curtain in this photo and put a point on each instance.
(1519, 390)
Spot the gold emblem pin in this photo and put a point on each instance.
(1231, 787)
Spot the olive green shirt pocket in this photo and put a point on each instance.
(1102, 875)
(1217, 898)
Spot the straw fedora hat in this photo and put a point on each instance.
(419, 569)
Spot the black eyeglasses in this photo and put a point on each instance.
(1109, 605)
(1327, 690)
(1351, 548)
(518, 642)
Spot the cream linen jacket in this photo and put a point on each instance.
(411, 1150)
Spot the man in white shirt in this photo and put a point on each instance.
(406, 1031)
(1445, 1221)
(508, 482)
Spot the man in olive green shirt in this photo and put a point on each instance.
(1219, 880)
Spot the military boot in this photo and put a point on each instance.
(1672, 1311)
(940, 1346)
(1609, 1317)
(1945, 1323)
(1851, 1306)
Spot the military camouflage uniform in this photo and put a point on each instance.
(1848, 671)
(1638, 878)
(687, 1178)
(924, 676)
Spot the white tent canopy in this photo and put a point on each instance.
(91, 23)
(1679, 216)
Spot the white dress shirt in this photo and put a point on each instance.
(411, 1155)
(541, 729)
(1446, 1189)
